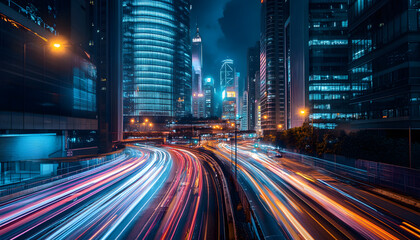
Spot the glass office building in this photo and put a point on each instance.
(329, 87)
(156, 59)
(384, 62)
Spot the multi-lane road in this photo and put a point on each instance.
(153, 193)
(294, 201)
(182, 193)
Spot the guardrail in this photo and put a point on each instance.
(397, 178)
(64, 171)
(248, 210)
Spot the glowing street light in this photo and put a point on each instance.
(56, 45)
(280, 126)
(265, 116)
(132, 120)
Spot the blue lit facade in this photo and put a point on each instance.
(316, 74)
(156, 59)
(329, 87)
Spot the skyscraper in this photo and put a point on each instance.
(272, 82)
(316, 63)
(385, 63)
(253, 66)
(229, 88)
(106, 45)
(197, 76)
(156, 59)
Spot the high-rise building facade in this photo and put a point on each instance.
(385, 63)
(253, 66)
(156, 59)
(272, 81)
(105, 46)
(229, 88)
(328, 85)
(317, 83)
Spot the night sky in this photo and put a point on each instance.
(228, 28)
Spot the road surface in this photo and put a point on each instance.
(295, 201)
(153, 193)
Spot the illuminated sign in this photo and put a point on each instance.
(231, 94)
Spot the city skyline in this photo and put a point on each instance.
(221, 119)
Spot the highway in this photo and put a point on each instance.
(295, 201)
(153, 193)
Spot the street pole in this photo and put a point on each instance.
(236, 152)
(409, 145)
(24, 82)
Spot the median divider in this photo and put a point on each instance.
(246, 204)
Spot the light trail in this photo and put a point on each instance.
(290, 195)
(93, 204)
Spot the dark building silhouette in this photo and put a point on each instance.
(253, 66)
(47, 91)
(106, 16)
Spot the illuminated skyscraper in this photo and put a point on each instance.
(272, 82)
(229, 88)
(156, 59)
(316, 59)
(197, 77)
(385, 63)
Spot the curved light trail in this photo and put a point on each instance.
(312, 205)
(99, 203)
(152, 193)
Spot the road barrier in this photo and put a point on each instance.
(399, 179)
(65, 168)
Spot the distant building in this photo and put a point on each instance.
(209, 94)
(229, 88)
(156, 60)
(385, 63)
(197, 76)
(244, 112)
(198, 105)
(253, 66)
